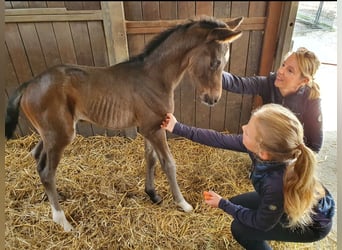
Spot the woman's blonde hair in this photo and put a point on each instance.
(308, 64)
(280, 133)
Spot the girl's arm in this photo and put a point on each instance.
(207, 137)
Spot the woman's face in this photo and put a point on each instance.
(289, 78)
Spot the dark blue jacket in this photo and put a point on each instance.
(266, 177)
(307, 110)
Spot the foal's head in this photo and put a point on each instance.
(208, 59)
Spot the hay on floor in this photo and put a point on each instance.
(101, 184)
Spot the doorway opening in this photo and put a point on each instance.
(316, 29)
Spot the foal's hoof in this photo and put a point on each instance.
(157, 199)
(59, 218)
(186, 207)
(154, 197)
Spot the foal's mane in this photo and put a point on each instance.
(204, 22)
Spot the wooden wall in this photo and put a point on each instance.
(40, 34)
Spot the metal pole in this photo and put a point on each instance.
(318, 13)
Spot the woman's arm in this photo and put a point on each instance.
(313, 125)
(255, 85)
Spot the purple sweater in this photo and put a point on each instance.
(307, 110)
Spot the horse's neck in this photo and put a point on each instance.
(168, 66)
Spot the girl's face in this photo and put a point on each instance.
(289, 78)
(249, 135)
(249, 139)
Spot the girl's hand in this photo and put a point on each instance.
(212, 198)
(169, 122)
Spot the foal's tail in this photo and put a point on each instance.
(12, 112)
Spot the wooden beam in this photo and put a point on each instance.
(287, 23)
(35, 11)
(116, 38)
(115, 30)
(143, 27)
(50, 15)
(271, 32)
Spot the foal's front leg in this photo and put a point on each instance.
(151, 160)
(160, 146)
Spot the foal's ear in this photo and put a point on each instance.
(223, 35)
(235, 23)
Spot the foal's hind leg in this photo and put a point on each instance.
(37, 150)
(159, 143)
(56, 134)
(50, 156)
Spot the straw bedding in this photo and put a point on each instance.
(101, 185)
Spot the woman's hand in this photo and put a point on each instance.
(169, 122)
(212, 198)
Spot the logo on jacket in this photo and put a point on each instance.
(272, 207)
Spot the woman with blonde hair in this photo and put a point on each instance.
(292, 86)
(289, 203)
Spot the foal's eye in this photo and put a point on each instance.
(215, 64)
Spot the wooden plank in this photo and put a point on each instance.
(171, 23)
(11, 80)
(74, 5)
(286, 27)
(150, 11)
(217, 116)
(19, 4)
(92, 5)
(8, 5)
(186, 9)
(117, 46)
(143, 27)
(48, 42)
(168, 10)
(254, 55)
(35, 11)
(65, 42)
(269, 43)
(56, 4)
(37, 4)
(17, 53)
(45, 52)
(98, 43)
(187, 90)
(237, 64)
(12, 83)
(100, 56)
(32, 47)
(204, 8)
(93, 16)
(222, 9)
(133, 12)
(115, 30)
(79, 31)
(203, 111)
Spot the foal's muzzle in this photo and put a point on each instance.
(210, 100)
